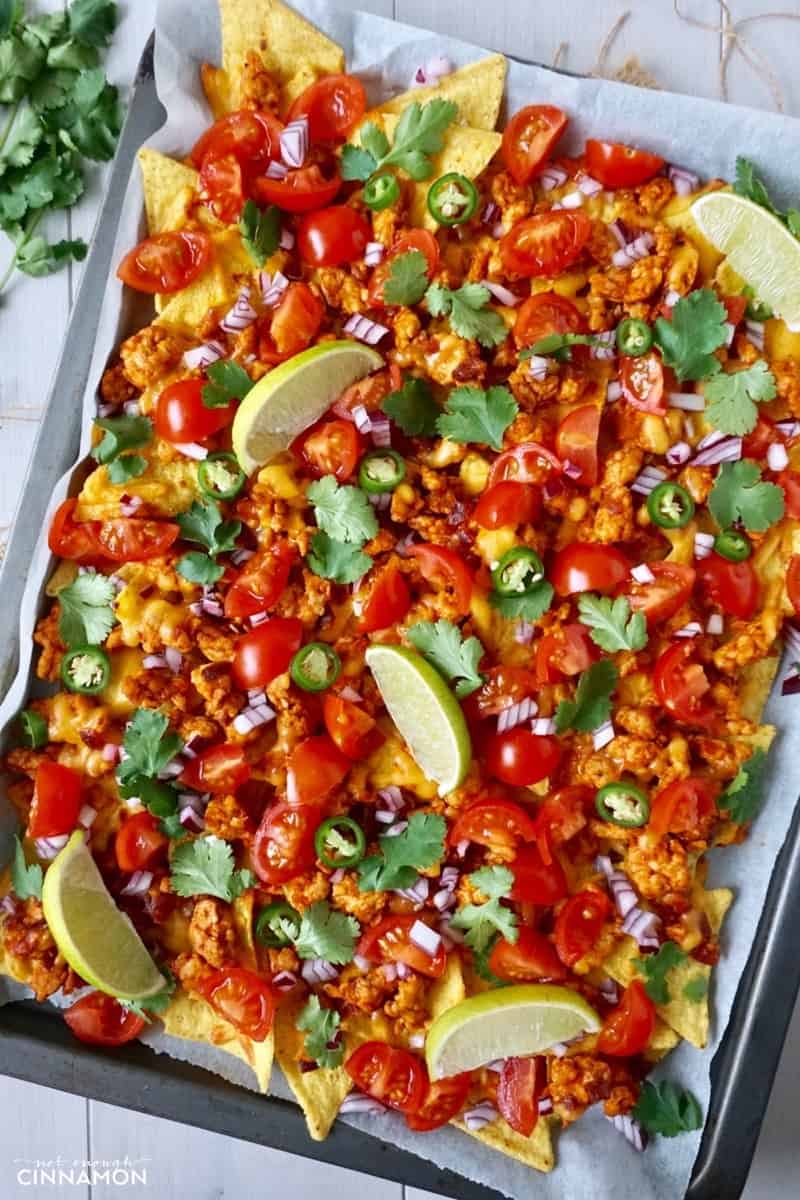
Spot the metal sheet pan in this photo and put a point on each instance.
(35, 1045)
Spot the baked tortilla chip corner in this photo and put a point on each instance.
(190, 1018)
(535, 1151)
(319, 1093)
(477, 89)
(170, 189)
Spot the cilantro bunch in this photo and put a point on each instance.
(346, 521)
(56, 110)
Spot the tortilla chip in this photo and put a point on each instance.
(535, 1151)
(231, 267)
(663, 1040)
(243, 923)
(477, 89)
(755, 687)
(191, 1018)
(448, 989)
(319, 1093)
(170, 187)
(217, 91)
(165, 487)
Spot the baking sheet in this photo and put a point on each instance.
(702, 135)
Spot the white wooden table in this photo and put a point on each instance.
(40, 1124)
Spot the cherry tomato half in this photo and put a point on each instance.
(139, 843)
(75, 540)
(352, 730)
(731, 586)
(330, 448)
(529, 137)
(261, 581)
(628, 1028)
(56, 800)
(301, 191)
(680, 683)
(101, 1020)
(528, 462)
(395, 1077)
(616, 165)
(576, 444)
(266, 651)
(532, 956)
(222, 184)
(521, 1081)
(503, 686)
(166, 262)
(446, 569)
(387, 602)
(242, 998)
(579, 924)
(668, 591)
(135, 539)
(683, 806)
(565, 652)
(314, 768)
(181, 415)
(390, 941)
(333, 105)
(253, 138)
(332, 236)
(508, 503)
(588, 567)
(521, 758)
(292, 326)
(444, 1100)
(537, 881)
(284, 842)
(789, 481)
(544, 314)
(219, 769)
(642, 380)
(546, 243)
(497, 823)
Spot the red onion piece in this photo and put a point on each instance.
(755, 333)
(425, 938)
(571, 200)
(685, 182)
(318, 970)
(381, 435)
(791, 684)
(552, 177)
(8, 905)
(398, 827)
(643, 927)
(703, 544)
(373, 253)
(603, 735)
(284, 981)
(357, 1102)
(138, 883)
(361, 419)
(500, 293)
(417, 894)
(788, 429)
(131, 408)
(631, 252)
(389, 971)
(391, 796)
(688, 401)
(588, 185)
(287, 239)
(443, 899)
(791, 640)
(130, 505)
(630, 1129)
(604, 347)
(545, 1106)
(362, 963)
(538, 366)
(715, 623)
(87, 816)
(241, 315)
(200, 357)
(693, 629)
(174, 659)
(523, 633)
(618, 233)
(678, 454)
(777, 458)
(727, 449)
(48, 848)
(365, 330)
(110, 752)
(671, 298)
(294, 142)
(190, 818)
(252, 717)
(515, 714)
(192, 450)
(272, 287)
(481, 1115)
(647, 479)
(543, 726)
(642, 573)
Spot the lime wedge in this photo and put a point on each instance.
(506, 1023)
(425, 711)
(295, 395)
(97, 940)
(758, 246)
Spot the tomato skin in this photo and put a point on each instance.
(293, 325)
(417, 239)
(284, 842)
(445, 567)
(508, 503)
(680, 684)
(561, 817)
(266, 651)
(532, 956)
(668, 592)
(242, 998)
(642, 380)
(139, 843)
(528, 462)
(261, 581)
(793, 582)
(628, 1028)
(529, 137)
(166, 262)
(444, 1100)
(334, 105)
(543, 314)
(502, 687)
(314, 769)
(75, 540)
(181, 415)
(520, 758)
(494, 822)
(389, 941)
(395, 1077)
(789, 481)
(352, 730)
(616, 165)
(219, 769)
(388, 601)
(683, 806)
(536, 881)
(757, 442)
(253, 138)
(546, 243)
(588, 567)
(100, 1020)
(521, 1081)
(579, 923)
(331, 236)
(734, 586)
(300, 192)
(330, 448)
(56, 800)
(135, 539)
(576, 443)
(565, 653)
(369, 392)
(222, 183)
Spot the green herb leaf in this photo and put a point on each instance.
(420, 845)
(696, 989)
(418, 135)
(407, 281)
(454, 657)
(342, 511)
(475, 415)
(696, 329)
(34, 728)
(91, 119)
(731, 398)
(120, 434)
(24, 133)
(326, 933)
(129, 466)
(205, 867)
(39, 257)
(667, 1109)
(748, 184)
(482, 921)
(10, 13)
(480, 961)
(466, 309)
(92, 21)
(321, 1026)
(261, 230)
(742, 798)
(613, 626)
(25, 880)
(413, 408)
(342, 562)
(739, 494)
(528, 606)
(204, 523)
(199, 568)
(656, 967)
(87, 610)
(149, 745)
(229, 381)
(592, 703)
(357, 164)
(558, 345)
(154, 1005)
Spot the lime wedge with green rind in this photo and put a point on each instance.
(758, 246)
(293, 396)
(97, 940)
(508, 1022)
(426, 713)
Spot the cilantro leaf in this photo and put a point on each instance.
(24, 133)
(695, 989)
(748, 184)
(739, 494)
(420, 845)
(592, 703)
(357, 164)
(153, 1005)
(148, 745)
(667, 1109)
(466, 308)
(39, 257)
(413, 408)
(10, 13)
(407, 281)
(326, 933)
(480, 961)
(321, 1027)
(475, 415)
(87, 610)
(742, 797)
(121, 433)
(205, 867)
(22, 57)
(696, 329)
(613, 626)
(731, 398)
(203, 523)
(342, 511)
(418, 134)
(340, 561)
(528, 605)
(199, 568)
(25, 880)
(261, 230)
(454, 657)
(129, 466)
(91, 119)
(793, 221)
(92, 21)
(229, 381)
(558, 345)
(656, 967)
(481, 921)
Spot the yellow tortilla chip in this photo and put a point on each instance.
(169, 187)
(319, 1093)
(663, 1040)
(231, 267)
(165, 487)
(448, 988)
(535, 1151)
(243, 923)
(477, 89)
(755, 687)
(191, 1018)
(217, 90)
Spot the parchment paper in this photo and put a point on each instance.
(592, 1159)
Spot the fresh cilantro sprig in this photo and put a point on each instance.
(148, 747)
(525, 606)
(731, 399)
(667, 1109)
(413, 408)
(341, 562)
(326, 933)
(418, 135)
(742, 797)
(420, 845)
(748, 184)
(558, 345)
(204, 523)
(205, 866)
(481, 922)
(611, 623)
(261, 230)
(25, 880)
(474, 415)
(87, 610)
(153, 1006)
(480, 961)
(467, 310)
(407, 280)
(229, 381)
(740, 494)
(656, 967)
(695, 989)
(696, 329)
(454, 657)
(121, 434)
(592, 703)
(321, 1027)
(342, 511)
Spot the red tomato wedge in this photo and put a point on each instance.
(537, 881)
(579, 924)
(567, 652)
(789, 481)
(576, 444)
(529, 138)
(314, 769)
(101, 1020)
(266, 651)
(330, 448)
(352, 730)
(332, 236)
(222, 184)
(628, 1028)
(444, 1100)
(546, 243)
(446, 569)
(181, 415)
(139, 844)
(242, 998)
(680, 684)
(301, 191)
(521, 1081)
(731, 586)
(252, 137)
(56, 801)
(665, 594)
(683, 806)
(529, 462)
(387, 602)
(497, 823)
(508, 503)
(166, 262)
(284, 842)
(618, 166)
(417, 239)
(135, 539)
(532, 956)
(502, 687)
(219, 769)
(292, 326)
(395, 1077)
(75, 540)
(588, 567)
(544, 314)
(391, 941)
(261, 582)
(642, 380)
(334, 105)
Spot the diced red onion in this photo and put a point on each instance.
(417, 894)
(791, 640)
(642, 573)
(693, 629)
(715, 623)
(727, 449)
(613, 391)
(571, 200)
(710, 439)
(365, 330)
(685, 182)
(397, 828)
(543, 726)
(287, 239)
(777, 458)
(381, 433)
(647, 479)
(603, 735)
(630, 1129)
(8, 905)
(559, 1049)
(500, 293)
(373, 254)
(256, 696)
(498, 229)
(106, 410)
(318, 970)
(515, 714)
(730, 333)
(604, 347)
(621, 888)
(361, 419)
(200, 357)
(443, 899)
(791, 683)
(609, 991)
(131, 408)
(688, 401)
(703, 544)
(363, 964)
(132, 803)
(357, 1102)
(138, 883)
(755, 333)
(552, 177)
(643, 927)
(174, 659)
(241, 556)
(450, 877)
(450, 934)
(389, 971)
(272, 287)
(350, 693)
(545, 1106)
(788, 429)
(495, 1065)
(588, 185)
(489, 214)
(276, 170)
(391, 797)
(294, 142)
(523, 633)
(631, 252)
(192, 450)
(618, 233)
(284, 981)
(404, 971)
(172, 769)
(87, 816)
(190, 818)
(480, 1116)
(678, 454)
(538, 366)
(671, 298)
(48, 848)
(130, 505)
(252, 717)
(338, 875)
(431, 71)
(241, 315)
(425, 938)
(380, 501)
(110, 752)
(258, 619)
